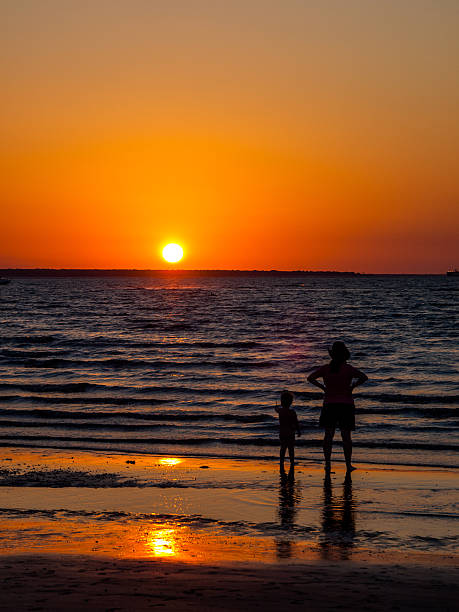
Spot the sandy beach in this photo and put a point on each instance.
(122, 532)
(75, 583)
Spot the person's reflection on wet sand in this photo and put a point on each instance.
(289, 496)
(338, 521)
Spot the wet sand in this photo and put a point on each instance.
(76, 583)
(133, 532)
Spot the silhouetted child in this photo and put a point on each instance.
(288, 426)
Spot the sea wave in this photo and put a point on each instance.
(31, 354)
(412, 398)
(26, 339)
(91, 401)
(247, 441)
(82, 387)
(79, 387)
(140, 416)
(157, 364)
(201, 423)
(160, 344)
(434, 413)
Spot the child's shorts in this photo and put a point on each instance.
(338, 415)
(287, 439)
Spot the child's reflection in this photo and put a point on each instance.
(289, 496)
(338, 521)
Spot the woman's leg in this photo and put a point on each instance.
(347, 447)
(327, 445)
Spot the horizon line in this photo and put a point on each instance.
(181, 270)
(229, 271)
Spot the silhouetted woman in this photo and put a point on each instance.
(340, 379)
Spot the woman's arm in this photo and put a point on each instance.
(312, 378)
(360, 379)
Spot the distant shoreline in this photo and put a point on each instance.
(68, 272)
(133, 273)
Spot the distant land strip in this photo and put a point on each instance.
(50, 272)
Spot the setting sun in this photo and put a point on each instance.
(172, 253)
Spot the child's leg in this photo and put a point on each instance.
(291, 453)
(327, 445)
(283, 448)
(347, 448)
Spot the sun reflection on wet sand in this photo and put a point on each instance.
(170, 461)
(162, 543)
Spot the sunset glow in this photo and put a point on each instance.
(304, 135)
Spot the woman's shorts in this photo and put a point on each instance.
(341, 415)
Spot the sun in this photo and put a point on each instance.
(172, 252)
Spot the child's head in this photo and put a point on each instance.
(286, 399)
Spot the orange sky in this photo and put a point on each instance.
(257, 134)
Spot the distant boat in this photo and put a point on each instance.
(452, 273)
(4, 281)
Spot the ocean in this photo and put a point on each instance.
(193, 366)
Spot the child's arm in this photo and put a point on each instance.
(297, 424)
(312, 378)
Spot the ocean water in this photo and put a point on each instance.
(193, 366)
